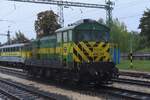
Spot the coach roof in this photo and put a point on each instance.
(13, 45)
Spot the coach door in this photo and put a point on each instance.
(64, 48)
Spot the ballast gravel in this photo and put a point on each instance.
(53, 89)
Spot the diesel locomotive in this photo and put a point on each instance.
(81, 51)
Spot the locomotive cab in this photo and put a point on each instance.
(86, 48)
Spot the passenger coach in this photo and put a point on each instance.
(14, 55)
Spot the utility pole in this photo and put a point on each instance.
(8, 37)
(108, 7)
(61, 15)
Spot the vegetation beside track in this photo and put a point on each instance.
(138, 65)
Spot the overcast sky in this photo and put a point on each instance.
(21, 16)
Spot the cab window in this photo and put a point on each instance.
(65, 38)
(70, 35)
(59, 37)
(91, 35)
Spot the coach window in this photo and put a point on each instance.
(7, 49)
(4, 49)
(70, 35)
(18, 48)
(65, 38)
(13, 48)
(21, 48)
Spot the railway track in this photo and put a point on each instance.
(15, 91)
(134, 74)
(132, 81)
(128, 94)
(123, 93)
(11, 71)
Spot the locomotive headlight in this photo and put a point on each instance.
(96, 73)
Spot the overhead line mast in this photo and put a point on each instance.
(108, 7)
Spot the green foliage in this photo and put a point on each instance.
(135, 38)
(20, 38)
(145, 29)
(120, 35)
(46, 23)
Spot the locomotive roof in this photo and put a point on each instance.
(48, 37)
(80, 22)
(66, 28)
(13, 45)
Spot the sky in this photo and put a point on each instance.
(16, 16)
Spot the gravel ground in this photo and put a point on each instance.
(53, 89)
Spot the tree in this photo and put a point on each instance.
(19, 38)
(135, 39)
(46, 23)
(119, 35)
(101, 21)
(145, 28)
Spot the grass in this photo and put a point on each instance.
(138, 65)
(144, 50)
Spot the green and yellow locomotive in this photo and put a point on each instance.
(81, 52)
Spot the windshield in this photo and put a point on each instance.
(85, 35)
